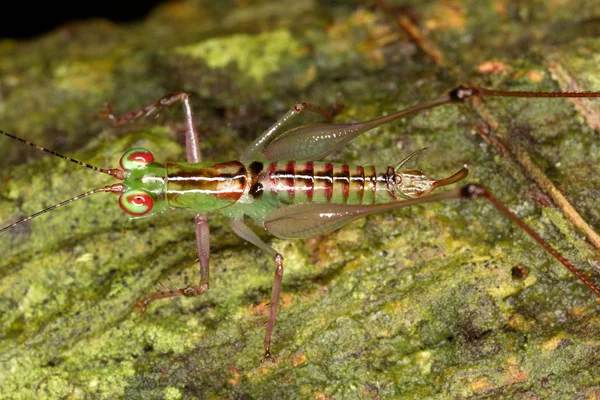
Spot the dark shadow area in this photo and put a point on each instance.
(25, 20)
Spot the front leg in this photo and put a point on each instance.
(203, 247)
(192, 147)
(192, 143)
(242, 230)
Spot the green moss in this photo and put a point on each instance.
(255, 56)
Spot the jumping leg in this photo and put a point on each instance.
(316, 141)
(306, 220)
(254, 152)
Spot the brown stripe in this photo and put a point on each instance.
(361, 176)
(328, 184)
(373, 179)
(306, 176)
(345, 181)
(310, 167)
(224, 181)
(212, 171)
(390, 175)
(171, 196)
(231, 194)
(271, 176)
(291, 178)
(234, 193)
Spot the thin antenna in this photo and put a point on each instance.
(116, 188)
(117, 173)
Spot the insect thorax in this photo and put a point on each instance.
(205, 187)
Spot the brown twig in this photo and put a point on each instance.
(567, 82)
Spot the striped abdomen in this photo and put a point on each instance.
(323, 182)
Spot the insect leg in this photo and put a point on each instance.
(163, 102)
(254, 152)
(194, 155)
(192, 147)
(474, 191)
(192, 144)
(308, 219)
(242, 230)
(316, 141)
(203, 245)
(304, 220)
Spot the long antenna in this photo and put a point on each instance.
(117, 173)
(116, 188)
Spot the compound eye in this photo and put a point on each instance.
(136, 203)
(136, 158)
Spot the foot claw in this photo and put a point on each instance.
(108, 113)
(267, 358)
(141, 306)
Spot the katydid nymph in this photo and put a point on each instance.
(282, 183)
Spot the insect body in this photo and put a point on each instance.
(281, 183)
(257, 189)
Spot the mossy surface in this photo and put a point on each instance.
(424, 302)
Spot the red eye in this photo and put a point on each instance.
(136, 203)
(136, 158)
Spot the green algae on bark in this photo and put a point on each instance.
(418, 303)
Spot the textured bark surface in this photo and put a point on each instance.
(418, 303)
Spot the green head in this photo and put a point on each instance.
(144, 184)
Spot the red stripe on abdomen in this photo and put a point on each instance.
(345, 182)
(291, 179)
(322, 182)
